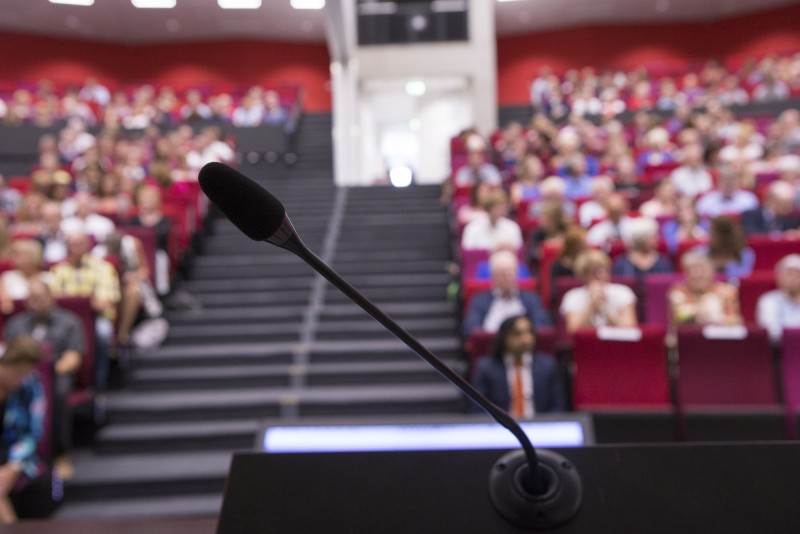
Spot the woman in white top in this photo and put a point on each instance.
(598, 302)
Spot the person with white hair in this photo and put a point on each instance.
(776, 216)
(490, 308)
(641, 256)
(780, 308)
(615, 226)
(659, 150)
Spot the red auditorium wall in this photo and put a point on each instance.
(230, 63)
(664, 47)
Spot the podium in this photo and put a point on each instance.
(680, 488)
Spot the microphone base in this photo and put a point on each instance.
(557, 505)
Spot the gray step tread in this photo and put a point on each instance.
(182, 506)
(232, 371)
(122, 469)
(154, 402)
(139, 431)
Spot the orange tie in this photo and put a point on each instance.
(518, 394)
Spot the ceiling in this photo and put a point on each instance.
(194, 20)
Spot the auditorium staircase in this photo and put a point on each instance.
(272, 341)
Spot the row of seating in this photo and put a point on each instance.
(710, 368)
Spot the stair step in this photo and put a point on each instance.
(280, 375)
(100, 477)
(260, 403)
(165, 506)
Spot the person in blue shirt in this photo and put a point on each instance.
(728, 250)
(23, 423)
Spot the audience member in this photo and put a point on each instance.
(687, 226)
(663, 204)
(728, 198)
(517, 378)
(692, 178)
(700, 299)
(490, 308)
(529, 173)
(25, 402)
(26, 258)
(641, 256)
(595, 209)
(615, 226)
(780, 308)
(553, 224)
(490, 230)
(776, 216)
(727, 249)
(85, 219)
(598, 302)
(150, 215)
(62, 332)
(477, 169)
(84, 275)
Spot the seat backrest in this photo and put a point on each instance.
(148, 238)
(770, 251)
(750, 290)
(656, 290)
(729, 370)
(790, 367)
(620, 373)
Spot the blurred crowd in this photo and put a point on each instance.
(92, 241)
(136, 108)
(571, 220)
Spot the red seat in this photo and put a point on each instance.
(790, 367)
(750, 290)
(715, 371)
(770, 251)
(615, 373)
(656, 290)
(148, 238)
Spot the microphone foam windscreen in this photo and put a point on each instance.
(249, 206)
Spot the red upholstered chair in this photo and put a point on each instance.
(751, 289)
(148, 238)
(620, 373)
(770, 251)
(725, 370)
(790, 367)
(656, 289)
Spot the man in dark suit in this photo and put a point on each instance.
(489, 308)
(775, 216)
(516, 378)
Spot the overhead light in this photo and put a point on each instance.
(239, 4)
(308, 4)
(401, 176)
(153, 4)
(415, 88)
(444, 6)
(377, 8)
(73, 2)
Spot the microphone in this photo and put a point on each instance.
(531, 490)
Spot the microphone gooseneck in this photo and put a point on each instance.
(528, 486)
